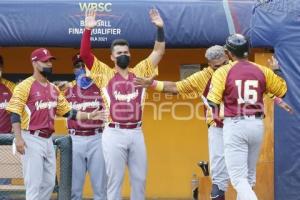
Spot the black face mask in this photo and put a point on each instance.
(123, 61)
(46, 72)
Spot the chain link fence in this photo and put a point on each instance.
(11, 175)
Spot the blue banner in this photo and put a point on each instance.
(61, 23)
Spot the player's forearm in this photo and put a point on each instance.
(165, 86)
(16, 123)
(170, 87)
(16, 128)
(77, 115)
(160, 43)
(83, 115)
(159, 50)
(159, 47)
(85, 49)
(215, 109)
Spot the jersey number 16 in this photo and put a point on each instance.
(250, 94)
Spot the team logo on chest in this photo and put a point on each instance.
(126, 97)
(39, 105)
(83, 106)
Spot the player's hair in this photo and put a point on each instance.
(120, 42)
(215, 52)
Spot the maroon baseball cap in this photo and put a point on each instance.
(76, 59)
(41, 54)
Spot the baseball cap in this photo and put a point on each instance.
(76, 59)
(41, 54)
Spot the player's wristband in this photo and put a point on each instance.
(278, 100)
(15, 118)
(88, 116)
(160, 36)
(72, 114)
(278, 72)
(158, 85)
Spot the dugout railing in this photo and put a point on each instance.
(11, 177)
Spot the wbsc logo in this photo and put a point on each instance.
(101, 7)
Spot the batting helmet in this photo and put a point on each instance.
(238, 45)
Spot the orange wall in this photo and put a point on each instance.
(174, 146)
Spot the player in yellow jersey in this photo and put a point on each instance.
(33, 106)
(241, 86)
(122, 139)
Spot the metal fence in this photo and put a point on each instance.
(11, 176)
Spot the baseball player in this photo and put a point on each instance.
(241, 85)
(122, 139)
(84, 95)
(6, 89)
(34, 104)
(195, 86)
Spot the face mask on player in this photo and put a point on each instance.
(82, 80)
(46, 72)
(123, 61)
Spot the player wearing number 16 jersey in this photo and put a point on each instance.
(241, 85)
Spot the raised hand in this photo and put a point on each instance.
(62, 85)
(273, 63)
(99, 115)
(90, 19)
(286, 107)
(155, 18)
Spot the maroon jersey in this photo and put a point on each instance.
(244, 89)
(124, 99)
(5, 95)
(42, 103)
(86, 100)
(37, 104)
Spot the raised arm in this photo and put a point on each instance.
(159, 46)
(160, 86)
(275, 84)
(85, 47)
(190, 87)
